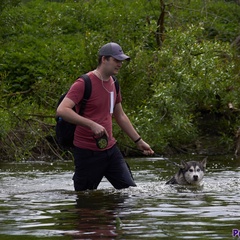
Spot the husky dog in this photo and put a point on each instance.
(190, 173)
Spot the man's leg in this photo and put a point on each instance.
(89, 169)
(118, 172)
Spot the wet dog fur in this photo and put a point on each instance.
(190, 173)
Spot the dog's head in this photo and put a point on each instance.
(193, 171)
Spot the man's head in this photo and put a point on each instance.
(113, 50)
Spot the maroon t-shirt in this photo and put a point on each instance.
(99, 108)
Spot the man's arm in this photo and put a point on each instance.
(126, 125)
(65, 111)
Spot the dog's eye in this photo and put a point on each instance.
(190, 170)
(198, 170)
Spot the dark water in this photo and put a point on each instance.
(37, 201)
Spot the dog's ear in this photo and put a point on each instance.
(204, 162)
(183, 165)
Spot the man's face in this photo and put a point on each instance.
(112, 65)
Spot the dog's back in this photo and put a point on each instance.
(190, 173)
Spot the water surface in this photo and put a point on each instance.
(37, 201)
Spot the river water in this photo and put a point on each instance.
(37, 201)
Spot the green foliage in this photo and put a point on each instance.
(167, 92)
(188, 79)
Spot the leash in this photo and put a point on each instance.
(174, 163)
(155, 155)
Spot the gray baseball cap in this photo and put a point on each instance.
(114, 50)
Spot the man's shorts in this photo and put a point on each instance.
(92, 166)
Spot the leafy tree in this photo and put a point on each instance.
(169, 89)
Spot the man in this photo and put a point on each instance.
(95, 153)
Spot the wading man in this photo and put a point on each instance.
(95, 153)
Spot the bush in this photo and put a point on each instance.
(167, 91)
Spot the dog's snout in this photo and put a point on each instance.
(195, 177)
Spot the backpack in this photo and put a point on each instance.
(65, 130)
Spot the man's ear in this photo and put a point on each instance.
(105, 58)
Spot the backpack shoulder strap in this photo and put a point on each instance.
(116, 83)
(87, 92)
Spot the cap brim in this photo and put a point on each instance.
(121, 57)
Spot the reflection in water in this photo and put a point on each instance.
(37, 201)
(97, 214)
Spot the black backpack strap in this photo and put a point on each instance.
(87, 92)
(116, 84)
